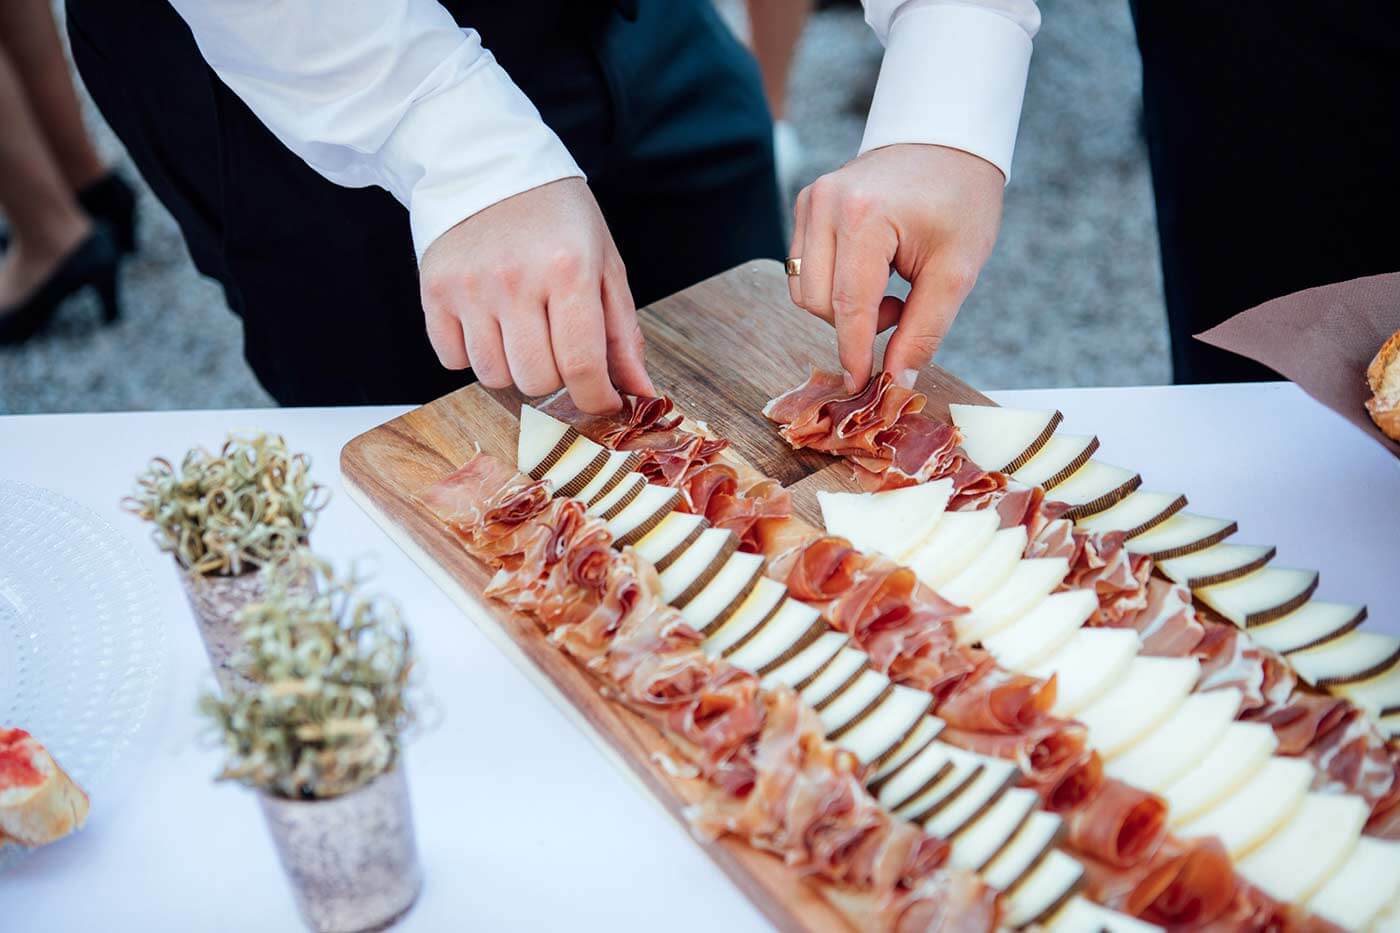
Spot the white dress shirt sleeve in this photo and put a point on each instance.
(954, 74)
(383, 92)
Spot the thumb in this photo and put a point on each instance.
(928, 313)
(626, 346)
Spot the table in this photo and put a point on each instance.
(522, 825)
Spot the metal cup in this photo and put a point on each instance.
(216, 601)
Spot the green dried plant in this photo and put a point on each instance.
(237, 511)
(329, 705)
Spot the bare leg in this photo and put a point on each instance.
(775, 26)
(45, 220)
(29, 36)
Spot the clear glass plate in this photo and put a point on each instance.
(83, 650)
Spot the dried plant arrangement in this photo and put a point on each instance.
(223, 515)
(328, 702)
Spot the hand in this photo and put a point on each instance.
(531, 291)
(929, 212)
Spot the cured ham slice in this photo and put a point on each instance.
(1185, 885)
(1167, 625)
(1121, 825)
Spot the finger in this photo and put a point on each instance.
(626, 346)
(482, 336)
(445, 335)
(933, 302)
(818, 253)
(580, 349)
(858, 284)
(799, 227)
(525, 335)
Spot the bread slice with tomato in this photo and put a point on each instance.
(39, 803)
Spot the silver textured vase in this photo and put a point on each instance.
(216, 601)
(352, 860)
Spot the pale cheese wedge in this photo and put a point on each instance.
(859, 696)
(1365, 884)
(1039, 633)
(802, 665)
(665, 542)
(988, 571)
(620, 496)
(1261, 596)
(921, 737)
(964, 768)
(1031, 844)
(1094, 487)
(887, 725)
(1236, 758)
(1044, 891)
(1061, 456)
(1180, 743)
(1082, 915)
(540, 437)
(636, 519)
(1003, 439)
(697, 564)
(917, 776)
(781, 638)
(1030, 582)
(615, 469)
(1390, 725)
(1183, 533)
(1150, 691)
(1379, 696)
(725, 593)
(894, 522)
(947, 822)
(1088, 664)
(956, 541)
(1139, 511)
(1314, 842)
(1357, 656)
(761, 602)
(1311, 624)
(984, 838)
(847, 666)
(1219, 563)
(1257, 809)
(583, 461)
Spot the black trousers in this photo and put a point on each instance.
(1273, 130)
(657, 101)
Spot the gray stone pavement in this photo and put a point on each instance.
(1072, 295)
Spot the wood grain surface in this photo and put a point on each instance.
(721, 349)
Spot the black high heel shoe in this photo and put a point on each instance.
(92, 264)
(113, 202)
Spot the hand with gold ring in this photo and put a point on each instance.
(929, 213)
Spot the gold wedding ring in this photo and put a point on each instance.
(793, 265)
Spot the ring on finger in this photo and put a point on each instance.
(793, 266)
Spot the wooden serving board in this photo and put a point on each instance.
(721, 349)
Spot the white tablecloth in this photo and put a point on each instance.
(522, 824)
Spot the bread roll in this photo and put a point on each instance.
(38, 802)
(1384, 376)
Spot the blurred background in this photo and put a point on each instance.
(1071, 297)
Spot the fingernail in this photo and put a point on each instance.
(907, 378)
(849, 381)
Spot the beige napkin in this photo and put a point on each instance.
(1322, 339)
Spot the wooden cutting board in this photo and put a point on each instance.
(721, 349)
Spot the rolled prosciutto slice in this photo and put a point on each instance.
(1120, 824)
(1185, 885)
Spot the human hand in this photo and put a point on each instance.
(929, 212)
(531, 291)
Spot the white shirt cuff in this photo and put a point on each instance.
(476, 142)
(952, 76)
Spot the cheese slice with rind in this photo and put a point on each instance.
(988, 570)
(1061, 456)
(1180, 743)
(1003, 439)
(894, 522)
(1256, 809)
(1379, 696)
(1044, 891)
(615, 469)
(983, 839)
(1030, 583)
(888, 724)
(922, 736)
(1147, 694)
(1362, 887)
(703, 558)
(1311, 624)
(1094, 487)
(1357, 656)
(920, 775)
(725, 593)
(783, 632)
(579, 465)
(806, 662)
(1089, 663)
(1183, 533)
(847, 666)
(995, 779)
(956, 541)
(1261, 596)
(1043, 630)
(1314, 842)
(540, 436)
(756, 608)
(860, 695)
(675, 532)
(1139, 511)
(620, 496)
(1233, 760)
(1219, 563)
(1031, 844)
(1082, 915)
(964, 768)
